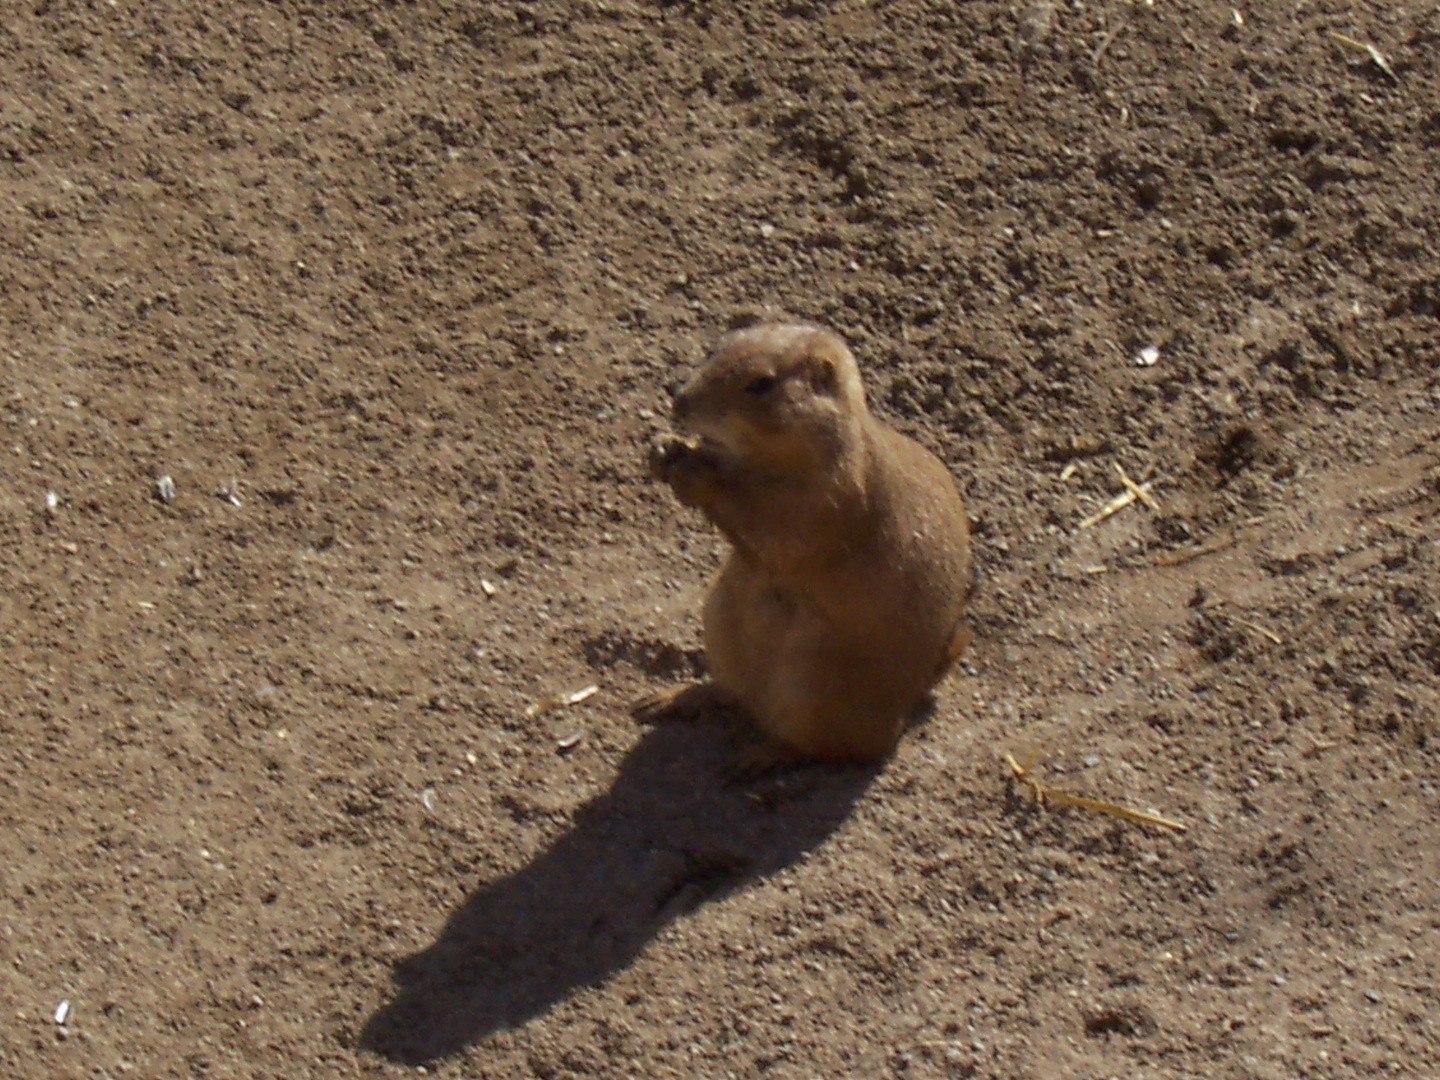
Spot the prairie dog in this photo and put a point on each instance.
(841, 604)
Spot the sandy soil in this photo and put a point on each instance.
(394, 294)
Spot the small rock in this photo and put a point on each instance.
(62, 1011)
(767, 230)
(582, 694)
(1036, 22)
(165, 488)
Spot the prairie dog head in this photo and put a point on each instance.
(783, 396)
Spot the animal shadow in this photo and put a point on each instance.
(670, 835)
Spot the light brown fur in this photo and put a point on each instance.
(841, 604)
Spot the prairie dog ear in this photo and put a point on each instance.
(821, 371)
(823, 361)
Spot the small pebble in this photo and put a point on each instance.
(51, 501)
(62, 1011)
(428, 798)
(581, 694)
(165, 488)
(1035, 23)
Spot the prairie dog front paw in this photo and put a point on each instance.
(667, 451)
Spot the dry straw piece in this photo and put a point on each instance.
(1132, 493)
(1143, 494)
(1099, 806)
(1375, 56)
(555, 701)
(1270, 634)
(1175, 558)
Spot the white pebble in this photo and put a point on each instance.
(1148, 355)
(166, 489)
(580, 695)
(51, 500)
(62, 1011)
(428, 798)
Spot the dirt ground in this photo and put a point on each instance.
(395, 293)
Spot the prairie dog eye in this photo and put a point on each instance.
(760, 385)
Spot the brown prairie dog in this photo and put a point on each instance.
(841, 603)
